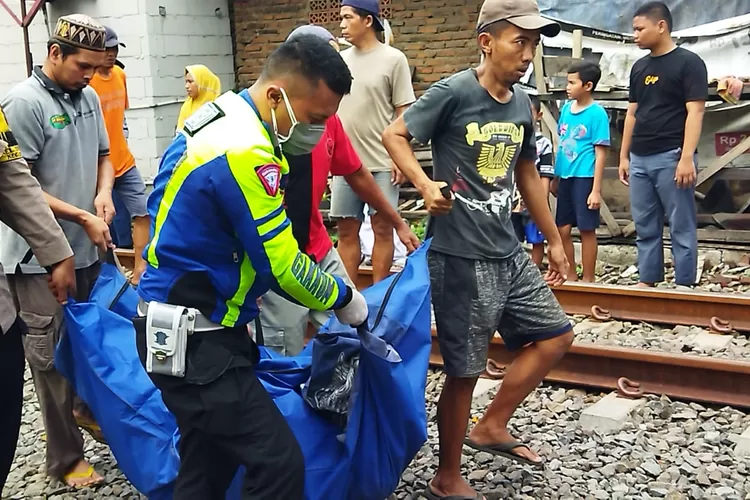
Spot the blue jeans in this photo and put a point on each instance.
(120, 229)
(129, 197)
(654, 194)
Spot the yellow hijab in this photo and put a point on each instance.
(209, 88)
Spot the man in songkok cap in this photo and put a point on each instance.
(57, 120)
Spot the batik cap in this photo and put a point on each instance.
(80, 31)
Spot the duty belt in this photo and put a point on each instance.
(202, 323)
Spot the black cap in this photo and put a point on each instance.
(110, 38)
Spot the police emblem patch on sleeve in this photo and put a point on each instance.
(9, 149)
(206, 114)
(270, 176)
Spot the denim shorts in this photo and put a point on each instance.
(572, 204)
(131, 190)
(346, 204)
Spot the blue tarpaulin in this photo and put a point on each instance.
(385, 418)
(98, 356)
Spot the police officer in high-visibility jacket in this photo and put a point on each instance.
(221, 239)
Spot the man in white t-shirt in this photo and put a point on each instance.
(381, 91)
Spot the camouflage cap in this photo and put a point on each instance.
(80, 31)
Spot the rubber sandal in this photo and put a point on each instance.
(88, 474)
(92, 429)
(430, 494)
(505, 450)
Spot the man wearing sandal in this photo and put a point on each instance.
(483, 143)
(60, 130)
(22, 207)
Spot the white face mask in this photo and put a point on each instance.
(302, 137)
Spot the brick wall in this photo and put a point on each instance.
(437, 36)
(259, 26)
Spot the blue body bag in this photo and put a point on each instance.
(361, 456)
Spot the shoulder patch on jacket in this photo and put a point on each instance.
(206, 114)
(270, 176)
(9, 149)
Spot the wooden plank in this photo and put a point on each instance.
(715, 166)
(577, 44)
(731, 172)
(549, 121)
(406, 214)
(609, 219)
(541, 86)
(720, 235)
(722, 161)
(622, 95)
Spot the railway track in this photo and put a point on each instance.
(683, 377)
(722, 313)
(686, 377)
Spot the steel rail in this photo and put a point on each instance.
(719, 312)
(683, 377)
(679, 376)
(670, 307)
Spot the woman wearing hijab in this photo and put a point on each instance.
(202, 86)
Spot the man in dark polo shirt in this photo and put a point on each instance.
(57, 120)
(668, 92)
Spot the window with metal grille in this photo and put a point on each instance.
(325, 12)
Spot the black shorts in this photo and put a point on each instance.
(473, 299)
(572, 204)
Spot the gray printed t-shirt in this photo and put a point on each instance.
(476, 143)
(63, 135)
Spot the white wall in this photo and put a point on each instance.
(158, 49)
(12, 59)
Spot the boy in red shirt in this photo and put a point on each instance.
(284, 323)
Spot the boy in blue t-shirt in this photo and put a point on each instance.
(584, 139)
(525, 228)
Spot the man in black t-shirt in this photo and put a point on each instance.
(483, 144)
(668, 92)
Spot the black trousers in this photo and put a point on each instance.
(12, 364)
(227, 419)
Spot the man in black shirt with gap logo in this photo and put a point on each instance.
(668, 92)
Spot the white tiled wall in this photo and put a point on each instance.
(158, 49)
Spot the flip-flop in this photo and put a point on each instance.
(92, 428)
(88, 473)
(505, 450)
(430, 494)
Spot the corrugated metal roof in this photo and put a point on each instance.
(617, 15)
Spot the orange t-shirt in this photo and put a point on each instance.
(113, 94)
